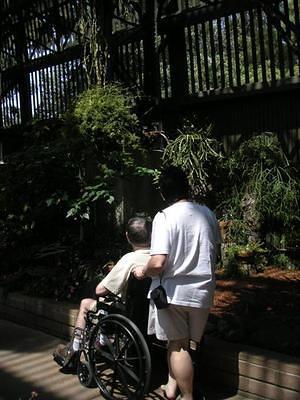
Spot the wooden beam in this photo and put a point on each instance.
(178, 62)
(205, 13)
(285, 85)
(44, 62)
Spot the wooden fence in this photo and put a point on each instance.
(181, 55)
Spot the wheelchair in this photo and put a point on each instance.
(114, 354)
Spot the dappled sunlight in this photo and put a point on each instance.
(27, 366)
(38, 372)
(15, 358)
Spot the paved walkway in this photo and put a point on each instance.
(26, 366)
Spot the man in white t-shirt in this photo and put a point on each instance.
(184, 246)
(138, 234)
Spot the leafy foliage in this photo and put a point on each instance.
(33, 199)
(263, 187)
(197, 153)
(283, 261)
(241, 260)
(50, 185)
(231, 264)
(106, 112)
(109, 130)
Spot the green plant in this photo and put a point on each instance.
(238, 231)
(95, 48)
(112, 146)
(196, 152)
(232, 266)
(37, 184)
(65, 169)
(106, 112)
(282, 261)
(241, 260)
(263, 187)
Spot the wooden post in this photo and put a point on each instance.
(1, 120)
(23, 77)
(151, 62)
(178, 61)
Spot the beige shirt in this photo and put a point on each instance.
(116, 280)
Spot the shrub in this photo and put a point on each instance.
(263, 187)
(241, 260)
(282, 261)
(112, 150)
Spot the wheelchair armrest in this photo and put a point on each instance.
(112, 304)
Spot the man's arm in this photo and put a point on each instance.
(154, 267)
(115, 281)
(101, 290)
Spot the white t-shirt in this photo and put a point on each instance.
(116, 280)
(189, 234)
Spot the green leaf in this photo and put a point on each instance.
(50, 202)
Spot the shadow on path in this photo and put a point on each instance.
(26, 365)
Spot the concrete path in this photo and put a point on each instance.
(27, 367)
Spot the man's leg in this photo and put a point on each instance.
(64, 353)
(181, 370)
(85, 306)
(170, 389)
(172, 323)
(195, 352)
(197, 321)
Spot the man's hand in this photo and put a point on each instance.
(154, 267)
(139, 272)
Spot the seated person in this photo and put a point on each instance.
(138, 234)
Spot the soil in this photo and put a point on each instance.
(262, 310)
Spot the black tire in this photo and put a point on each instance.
(122, 367)
(84, 370)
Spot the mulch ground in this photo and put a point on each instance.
(261, 310)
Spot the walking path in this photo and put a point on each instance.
(26, 366)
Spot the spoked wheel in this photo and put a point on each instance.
(122, 364)
(84, 370)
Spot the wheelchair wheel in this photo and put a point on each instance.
(121, 364)
(84, 370)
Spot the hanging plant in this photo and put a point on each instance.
(109, 129)
(95, 48)
(196, 152)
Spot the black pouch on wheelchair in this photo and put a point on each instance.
(159, 296)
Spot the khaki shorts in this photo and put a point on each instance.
(177, 322)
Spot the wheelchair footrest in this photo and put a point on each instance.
(59, 360)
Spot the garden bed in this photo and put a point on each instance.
(260, 310)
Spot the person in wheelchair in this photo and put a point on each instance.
(118, 281)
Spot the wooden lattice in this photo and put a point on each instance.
(176, 50)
